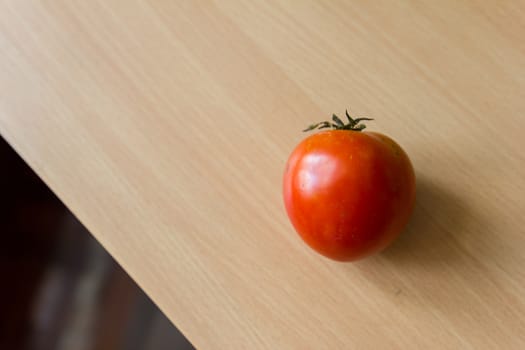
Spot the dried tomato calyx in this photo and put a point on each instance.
(337, 124)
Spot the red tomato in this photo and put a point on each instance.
(348, 193)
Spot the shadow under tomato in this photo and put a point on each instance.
(440, 218)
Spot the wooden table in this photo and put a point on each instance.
(165, 125)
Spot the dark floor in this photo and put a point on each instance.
(60, 289)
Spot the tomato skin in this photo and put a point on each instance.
(348, 193)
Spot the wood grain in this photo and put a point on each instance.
(165, 125)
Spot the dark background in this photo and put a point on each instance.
(60, 289)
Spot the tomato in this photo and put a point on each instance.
(348, 193)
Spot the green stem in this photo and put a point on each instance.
(337, 124)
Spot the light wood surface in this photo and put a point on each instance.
(165, 125)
